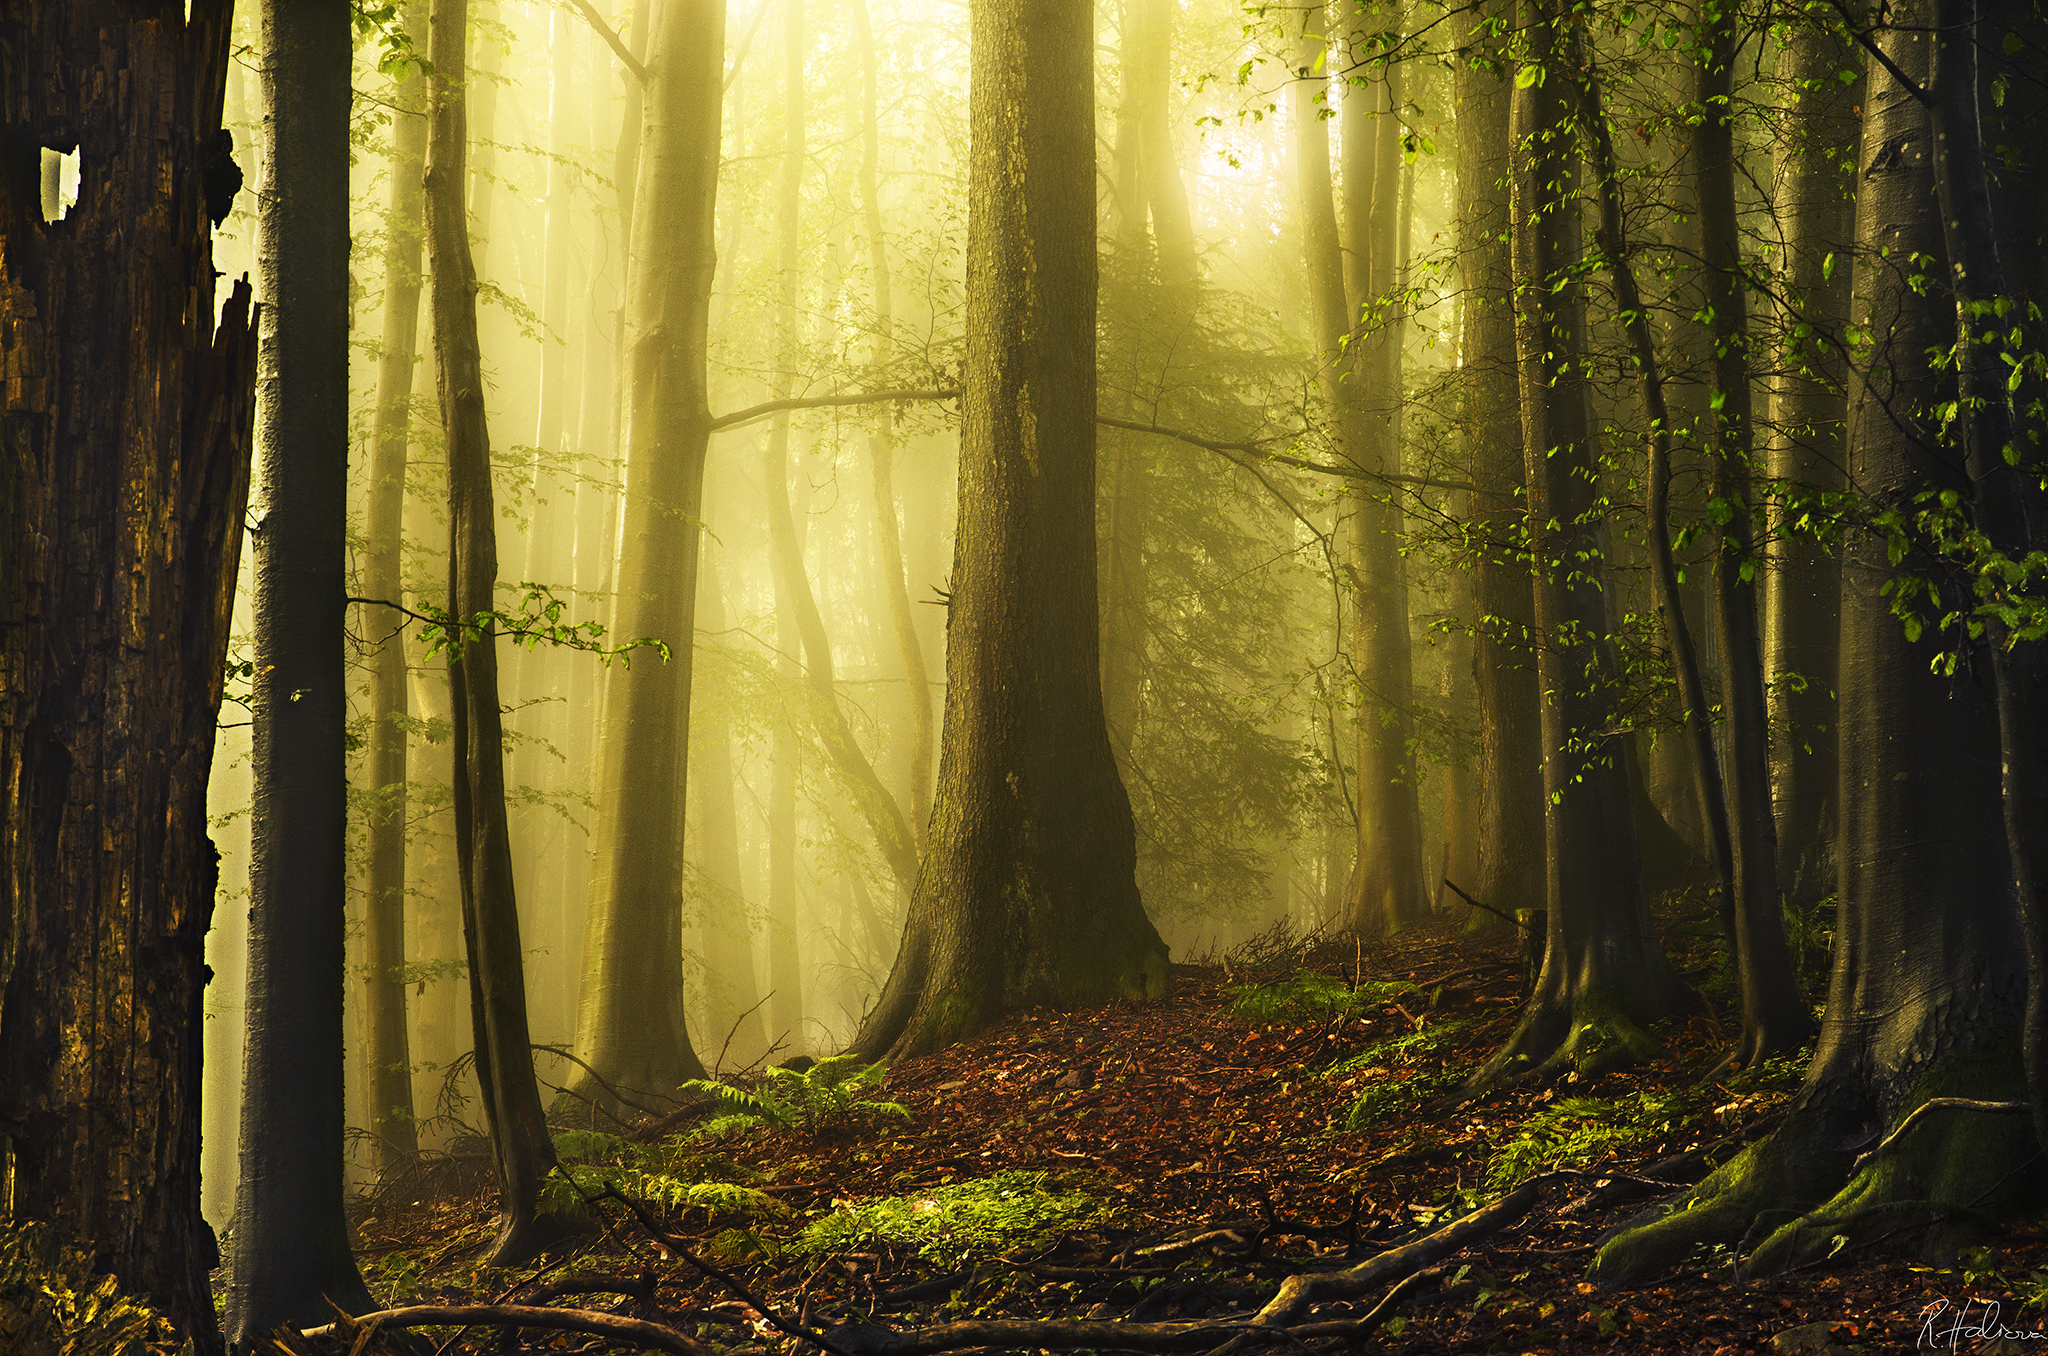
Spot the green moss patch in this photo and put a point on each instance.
(981, 1215)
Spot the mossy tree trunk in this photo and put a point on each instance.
(630, 1024)
(1930, 973)
(124, 472)
(483, 846)
(1604, 977)
(290, 1248)
(1028, 893)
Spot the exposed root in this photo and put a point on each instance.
(1594, 1033)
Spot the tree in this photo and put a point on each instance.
(490, 916)
(290, 1249)
(1604, 976)
(388, 1053)
(630, 1025)
(1504, 665)
(1028, 893)
(1815, 199)
(1930, 974)
(125, 404)
(1387, 890)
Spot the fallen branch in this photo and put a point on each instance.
(1299, 1293)
(867, 1339)
(632, 1332)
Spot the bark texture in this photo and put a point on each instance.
(1028, 893)
(291, 1247)
(124, 462)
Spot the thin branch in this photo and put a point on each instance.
(740, 56)
(611, 39)
(1933, 1104)
(631, 1332)
(1513, 922)
(755, 413)
(1864, 40)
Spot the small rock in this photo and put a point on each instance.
(1069, 1080)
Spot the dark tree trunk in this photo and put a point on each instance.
(1604, 976)
(630, 1024)
(1774, 1017)
(1930, 974)
(387, 1052)
(1816, 203)
(291, 1249)
(483, 845)
(123, 405)
(1028, 893)
(1503, 652)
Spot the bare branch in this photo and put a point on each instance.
(753, 414)
(611, 39)
(631, 1332)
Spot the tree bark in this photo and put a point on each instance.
(1504, 652)
(1604, 977)
(630, 1025)
(735, 999)
(1028, 893)
(1774, 1017)
(387, 1051)
(490, 914)
(1815, 199)
(1930, 971)
(291, 1249)
(124, 464)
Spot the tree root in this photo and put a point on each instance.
(360, 1332)
(1594, 1032)
(1801, 1197)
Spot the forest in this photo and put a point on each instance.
(895, 677)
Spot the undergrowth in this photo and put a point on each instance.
(1008, 1210)
(1387, 1094)
(828, 1093)
(1309, 997)
(663, 1175)
(52, 1305)
(1580, 1132)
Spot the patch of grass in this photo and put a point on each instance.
(1309, 997)
(828, 1093)
(1581, 1132)
(52, 1305)
(984, 1214)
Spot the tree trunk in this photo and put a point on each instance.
(1930, 975)
(490, 913)
(1604, 977)
(1387, 886)
(630, 1025)
(1816, 203)
(1774, 1017)
(735, 999)
(387, 1051)
(291, 1249)
(1504, 653)
(1028, 894)
(123, 406)
(882, 445)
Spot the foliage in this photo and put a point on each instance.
(1309, 997)
(1390, 1095)
(537, 621)
(829, 1092)
(591, 1160)
(1579, 1132)
(1004, 1211)
(1399, 1049)
(52, 1305)
(1387, 1094)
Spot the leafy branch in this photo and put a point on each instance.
(537, 622)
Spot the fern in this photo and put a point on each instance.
(988, 1214)
(1579, 1132)
(828, 1092)
(52, 1305)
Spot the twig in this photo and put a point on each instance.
(633, 1332)
(562, 1051)
(719, 1063)
(755, 413)
(611, 40)
(1512, 922)
(1933, 1104)
(677, 1246)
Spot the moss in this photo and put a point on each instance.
(985, 1214)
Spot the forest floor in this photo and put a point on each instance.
(1289, 1111)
